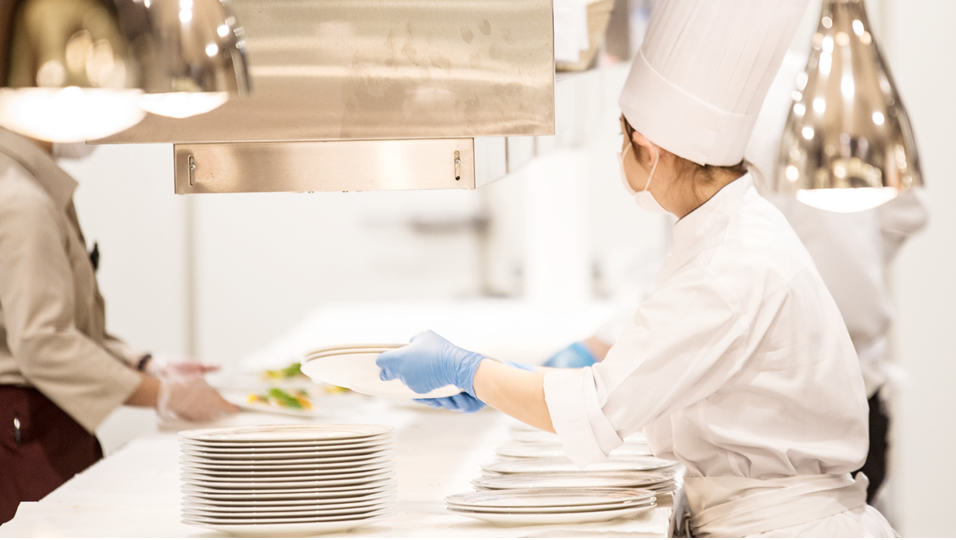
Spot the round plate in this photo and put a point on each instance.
(201, 503)
(289, 526)
(513, 520)
(281, 450)
(267, 464)
(288, 433)
(358, 372)
(353, 346)
(544, 498)
(282, 474)
(564, 465)
(250, 514)
(326, 492)
(307, 476)
(554, 449)
(290, 519)
(569, 481)
(343, 479)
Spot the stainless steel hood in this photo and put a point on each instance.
(373, 94)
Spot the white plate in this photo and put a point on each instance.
(241, 400)
(273, 474)
(564, 465)
(544, 498)
(338, 480)
(301, 463)
(326, 492)
(199, 503)
(291, 519)
(259, 451)
(359, 373)
(306, 528)
(569, 481)
(554, 509)
(250, 514)
(354, 346)
(368, 350)
(288, 433)
(513, 520)
(554, 449)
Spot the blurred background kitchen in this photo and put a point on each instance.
(528, 260)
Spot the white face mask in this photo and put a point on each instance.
(645, 199)
(73, 150)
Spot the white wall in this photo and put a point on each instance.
(920, 43)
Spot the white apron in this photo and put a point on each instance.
(739, 507)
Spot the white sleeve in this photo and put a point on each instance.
(681, 345)
(899, 218)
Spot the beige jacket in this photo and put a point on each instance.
(52, 318)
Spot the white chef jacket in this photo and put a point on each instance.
(739, 364)
(851, 250)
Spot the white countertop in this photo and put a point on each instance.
(136, 492)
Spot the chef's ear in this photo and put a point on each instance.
(642, 145)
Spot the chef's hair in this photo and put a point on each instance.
(701, 175)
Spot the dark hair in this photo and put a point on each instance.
(701, 174)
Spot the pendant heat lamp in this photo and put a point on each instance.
(79, 70)
(848, 144)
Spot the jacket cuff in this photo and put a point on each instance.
(574, 402)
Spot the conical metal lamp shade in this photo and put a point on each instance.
(75, 70)
(848, 144)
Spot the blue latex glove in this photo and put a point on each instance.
(462, 403)
(429, 362)
(575, 355)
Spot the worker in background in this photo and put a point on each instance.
(738, 365)
(61, 372)
(851, 251)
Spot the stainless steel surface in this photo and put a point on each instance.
(383, 69)
(324, 166)
(189, 45)
(848, 144)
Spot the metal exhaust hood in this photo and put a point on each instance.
(353, 95)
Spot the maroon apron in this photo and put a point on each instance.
(47, 449)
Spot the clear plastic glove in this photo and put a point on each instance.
(161, 366)
(429, 362)
(575, 355)
(462, 403)
(191, 398)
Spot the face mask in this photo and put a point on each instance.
(74, 150)
(645, 199)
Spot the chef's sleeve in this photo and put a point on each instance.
(37, 294)
(681, 345)
(899, 218)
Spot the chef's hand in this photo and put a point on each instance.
(191, 398)
(161, 366)
(462, 403)
(575, 355)
(429, 362)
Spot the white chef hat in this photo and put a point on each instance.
(698, 82)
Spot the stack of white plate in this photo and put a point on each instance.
(353, 367)
(543, 506)
(536, 459)
(288, 479)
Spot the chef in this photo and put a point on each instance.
(61, 372)
(738, 365)
(851, 252)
